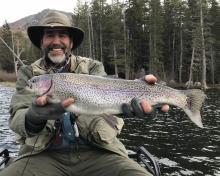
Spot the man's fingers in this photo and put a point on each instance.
(67, 102)
(41, 100)
(146, 106)
(151, 79)
(165, 108)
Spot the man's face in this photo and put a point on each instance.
(56, 42)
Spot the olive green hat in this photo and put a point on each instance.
(55, 19)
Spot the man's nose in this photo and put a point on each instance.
(56, 39)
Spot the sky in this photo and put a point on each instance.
(13, 10)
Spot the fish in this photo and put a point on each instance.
(95, 95)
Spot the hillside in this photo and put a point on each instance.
(22, 24)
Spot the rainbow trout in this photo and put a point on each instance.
(96, 95)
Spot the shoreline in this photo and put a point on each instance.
(8, 84)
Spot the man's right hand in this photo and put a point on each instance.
(42, 110)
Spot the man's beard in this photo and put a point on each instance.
(56, 59)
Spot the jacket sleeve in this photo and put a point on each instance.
(20, 102)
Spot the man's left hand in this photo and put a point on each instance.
(147, 108)
(144, 107)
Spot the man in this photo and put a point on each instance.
(55, 142)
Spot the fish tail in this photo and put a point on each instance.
(195, 100)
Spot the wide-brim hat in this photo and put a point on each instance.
(54, 19)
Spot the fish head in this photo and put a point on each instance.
(40, 85)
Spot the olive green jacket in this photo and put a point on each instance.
(95, 129)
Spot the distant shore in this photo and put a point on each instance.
(7, 77)
(8, 84)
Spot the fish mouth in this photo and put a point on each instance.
(29, 89)
(29, 86)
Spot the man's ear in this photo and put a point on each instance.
(71, 44)
(41, 43)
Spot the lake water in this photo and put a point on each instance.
(181, 148)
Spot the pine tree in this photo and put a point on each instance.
(156, 29)
(173, 37)
(214, 14)
(6, 56)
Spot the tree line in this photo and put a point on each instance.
(176, 40)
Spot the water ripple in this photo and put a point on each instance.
(182, 147)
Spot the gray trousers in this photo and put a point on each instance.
(79, 162)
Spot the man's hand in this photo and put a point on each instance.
(42, 110)
(141, 109)
(43, 100)
(151, 79)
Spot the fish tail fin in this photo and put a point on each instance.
(195, 100)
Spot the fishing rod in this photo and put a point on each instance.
(12, 51)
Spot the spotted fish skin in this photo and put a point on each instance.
(96, 95)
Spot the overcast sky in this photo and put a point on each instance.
(13, 10)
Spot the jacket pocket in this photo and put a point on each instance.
(105, 128)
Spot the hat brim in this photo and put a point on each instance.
(35, 34)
